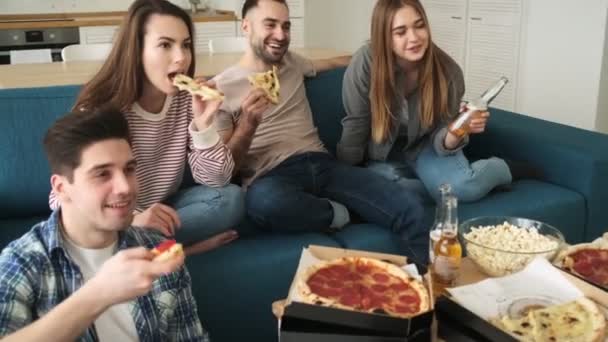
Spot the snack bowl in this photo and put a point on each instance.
(501, 245)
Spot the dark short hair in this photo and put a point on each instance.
(65, 140)
(249, 4)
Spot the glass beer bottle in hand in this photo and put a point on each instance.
(460, 126)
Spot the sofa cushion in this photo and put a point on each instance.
(574, 158)
(325, 95)
(12, 229)
(368, 237)
(562, 208)
(236, 284)
(24, 171)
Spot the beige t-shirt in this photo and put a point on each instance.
(287, 129)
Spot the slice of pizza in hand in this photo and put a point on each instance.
(269, 82)
(167, 250)
(183, 82)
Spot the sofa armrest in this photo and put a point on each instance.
(570, 157)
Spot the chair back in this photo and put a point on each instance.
(86, 52)
(227, 44)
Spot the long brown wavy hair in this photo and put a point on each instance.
(432, 80)
(120, 80)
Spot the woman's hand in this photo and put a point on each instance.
(160, 217)
(478, 122)
(204, 110)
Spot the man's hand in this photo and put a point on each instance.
(204, 111)
(129, 274)
(160, 217)
(253, 107)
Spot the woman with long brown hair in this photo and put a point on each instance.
(400, 92)
(171, 130)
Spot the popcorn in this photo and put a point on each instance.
(515, 247)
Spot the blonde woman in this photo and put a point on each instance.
(400, 92)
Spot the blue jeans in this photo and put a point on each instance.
(470, 181)
(294, 196)
(205, 211)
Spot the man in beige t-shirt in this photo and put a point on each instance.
(292, 181)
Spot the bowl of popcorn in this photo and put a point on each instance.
(504, 245)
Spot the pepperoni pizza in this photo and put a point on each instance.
(587, 260)
(363, 284)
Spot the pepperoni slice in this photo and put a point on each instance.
(408, 299)
(325, 272)
(317, 278)
(339, 270)
(352, 300)
(315, 288)
(353, 277)
(164, 246)
(584, 268)
(336, 284)
(400, 287)
(381, 277)
(380, 288)
(404, 309)
(362, 268)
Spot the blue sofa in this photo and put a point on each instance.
(236, 284)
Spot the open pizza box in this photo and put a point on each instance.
(465, 311)
(299, 321)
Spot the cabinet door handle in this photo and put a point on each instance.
(455, 17)
(476, 18)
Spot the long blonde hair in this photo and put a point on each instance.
(120, 80)
(432, 79)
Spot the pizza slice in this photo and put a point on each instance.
(269, 82)
(587, 260)
(183, 82)
(166, 250)
(576, 321)
(522, 328)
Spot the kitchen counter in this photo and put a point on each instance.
(34, 21)
(64, 73)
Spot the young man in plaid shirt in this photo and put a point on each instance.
(84, 274)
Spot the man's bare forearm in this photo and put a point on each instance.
(239, 143)
(331, 63)
(66, 322)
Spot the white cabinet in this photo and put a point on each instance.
(448, 21)
(97, 34)
(483, 36)
(205, 31)
(297, 32)
(296, 8)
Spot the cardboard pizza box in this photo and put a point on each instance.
(456, 323)
(306, 322)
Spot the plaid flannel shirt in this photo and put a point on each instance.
(36, 274)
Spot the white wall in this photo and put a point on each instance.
(562, 60)
(564, 54)
(60, 6)
(601, 123)
(338, 24)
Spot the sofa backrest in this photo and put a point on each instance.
(325, 97)
(25, 115)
